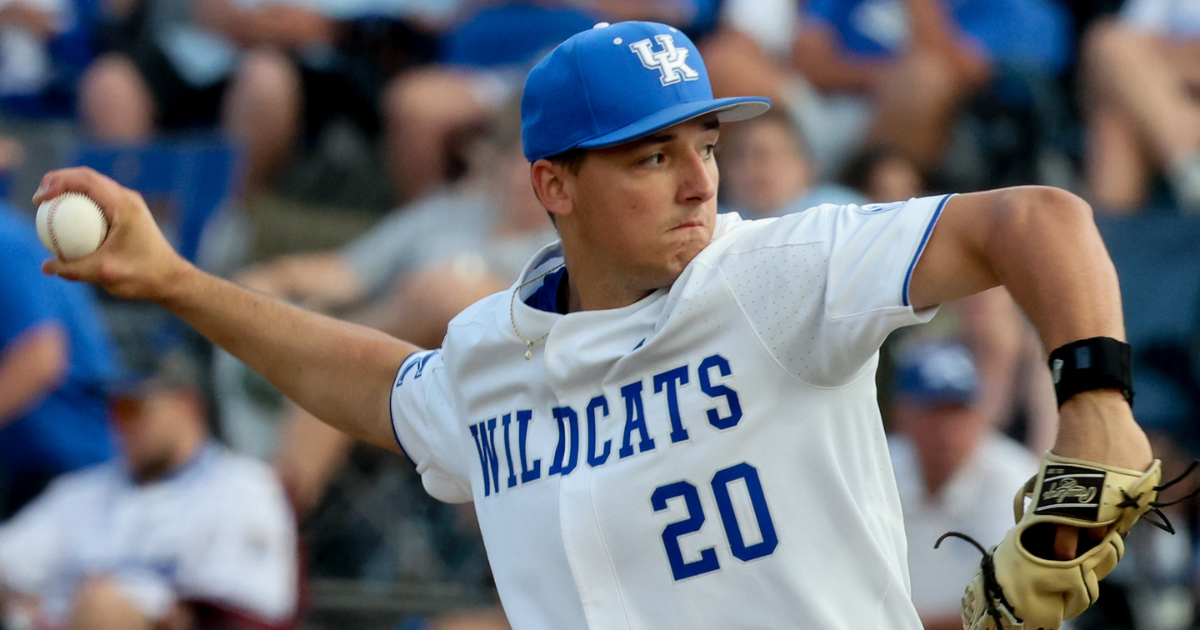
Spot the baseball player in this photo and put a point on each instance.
(670, 419)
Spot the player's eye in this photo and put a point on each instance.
(653, 160)
(708, 150)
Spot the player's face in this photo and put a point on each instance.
(644, 209)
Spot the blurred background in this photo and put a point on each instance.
(362, 158)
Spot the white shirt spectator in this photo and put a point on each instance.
(24, 58)
(976, 501)
(218, 531)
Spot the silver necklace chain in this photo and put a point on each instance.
(512, 311)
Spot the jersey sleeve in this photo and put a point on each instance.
(823, 288)
(425, 422)
(245, 557)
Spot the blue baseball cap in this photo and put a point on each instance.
(936, 373)
(616, 83)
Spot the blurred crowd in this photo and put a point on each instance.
(148, 480)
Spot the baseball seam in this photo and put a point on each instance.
(103, 223)
(50, 226)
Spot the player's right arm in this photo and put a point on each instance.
(338, 371)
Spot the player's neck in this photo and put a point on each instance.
(590, 288)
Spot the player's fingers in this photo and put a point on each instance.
(110, 195)
(51, 267)
(1066, 542)
(56, 182)
(79, 269)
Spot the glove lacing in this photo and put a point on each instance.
(991, 587)
(1161, 521)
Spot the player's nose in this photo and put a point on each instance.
(697, 178)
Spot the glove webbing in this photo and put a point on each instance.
(990, 585)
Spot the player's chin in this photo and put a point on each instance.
(684, 251)
(690, 241)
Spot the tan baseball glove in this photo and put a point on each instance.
(1016, 586)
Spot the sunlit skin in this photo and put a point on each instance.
(634, 215)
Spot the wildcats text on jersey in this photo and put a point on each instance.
(502, 441)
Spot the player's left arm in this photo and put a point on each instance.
(1042, 244)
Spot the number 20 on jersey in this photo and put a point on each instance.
(720, 487)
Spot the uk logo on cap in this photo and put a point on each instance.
(670, 61)
(616, 83)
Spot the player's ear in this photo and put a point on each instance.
(551, 185)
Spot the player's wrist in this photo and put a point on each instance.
(1098, 426)
(179, 284)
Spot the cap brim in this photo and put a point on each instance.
(726, 109)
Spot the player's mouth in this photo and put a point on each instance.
(693, 223)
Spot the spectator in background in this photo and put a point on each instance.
(766, 170)
(1141, 80)
(270, 72)
(483, 64)
(486, 226)
(44, 45)
(884, 174)
(1016, 393)
(885, 72)
(955, 472)
(896, 72)
(56, 359)
(177, 533)
(409, 275)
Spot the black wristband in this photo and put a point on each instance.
(1096, 363)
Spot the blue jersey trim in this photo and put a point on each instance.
(545, 298)
(921, 249)
(392, 414)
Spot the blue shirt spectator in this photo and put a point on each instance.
(1033, 34)
(44, 47)
(66, 428)
(516, 33)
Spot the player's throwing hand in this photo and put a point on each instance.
(135, 261)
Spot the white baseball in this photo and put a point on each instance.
(71, 225)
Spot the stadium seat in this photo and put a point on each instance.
(185, 182)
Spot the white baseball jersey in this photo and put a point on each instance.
(219, 531)
(711, 456)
